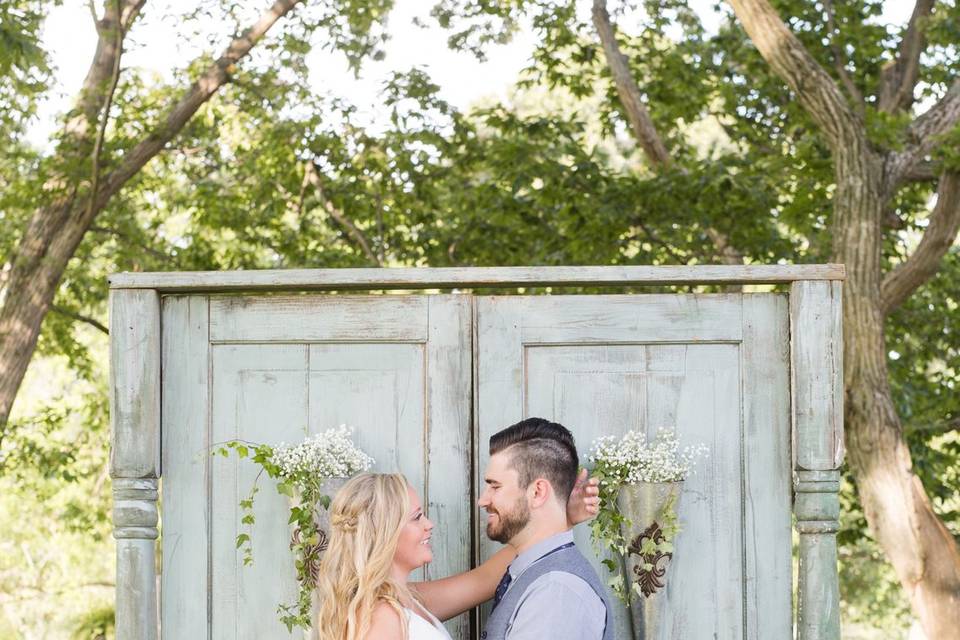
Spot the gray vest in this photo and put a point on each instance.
(568, 560)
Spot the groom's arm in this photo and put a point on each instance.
(449, 597)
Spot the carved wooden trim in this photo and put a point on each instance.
(135, 457)
(135, 514)
(816, 351)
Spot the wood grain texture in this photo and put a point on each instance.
(295, 318)
(500, 398)
(713, 367)
(767, 485)
(817, 388)
(259, 395)
(601, 319)
(135, 384)
(396, 368)
(816, 336)
(185, 584)
(135, 456)
(817, 510)
(451, 277)
(448, 497)
(734, 552)
(136, 604)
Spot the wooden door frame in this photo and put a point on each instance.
(816, 392)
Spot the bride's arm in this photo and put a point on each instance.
(449, 597)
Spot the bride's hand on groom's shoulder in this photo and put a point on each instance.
(584, 500)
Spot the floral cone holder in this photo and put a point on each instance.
(314, 553)
(643, 505)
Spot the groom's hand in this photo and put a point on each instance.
(584, 500)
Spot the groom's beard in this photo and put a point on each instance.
(508, 523)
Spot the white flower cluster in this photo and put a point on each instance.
(634, 460)
(330, 454)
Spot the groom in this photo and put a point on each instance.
(549, 590)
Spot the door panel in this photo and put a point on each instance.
(602, 365)
(396, 368)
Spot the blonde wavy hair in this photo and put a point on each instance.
(366, 518)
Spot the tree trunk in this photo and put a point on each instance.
(55, 230)
(47, 246)
(921, 549)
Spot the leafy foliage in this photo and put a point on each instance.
(547, 177)
(301, 473)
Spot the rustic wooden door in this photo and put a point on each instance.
(714, 368)
(271, 369)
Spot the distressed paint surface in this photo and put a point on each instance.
(184, 587)
(605, 364)
(396, 368)
(817, 374)
(713, 366)
(135, 456)
(450, 277)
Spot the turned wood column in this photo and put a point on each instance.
(816, 348)
(135, 456)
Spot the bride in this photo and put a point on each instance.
(379, 535)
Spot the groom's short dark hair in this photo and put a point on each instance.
(540, 449)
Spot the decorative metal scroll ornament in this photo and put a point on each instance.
(650, 580)
(311, 552)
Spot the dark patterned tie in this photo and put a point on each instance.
(501, 589)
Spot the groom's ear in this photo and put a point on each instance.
(540, 492)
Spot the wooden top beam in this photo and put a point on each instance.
(468, 277)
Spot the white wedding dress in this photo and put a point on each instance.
(425, 628)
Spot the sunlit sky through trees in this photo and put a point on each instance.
(159, 47)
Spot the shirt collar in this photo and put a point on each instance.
(537, 551)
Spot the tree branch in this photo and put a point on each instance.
(945, 426)
(160, 255)
(116, 30)
(655, 239)
(816, 91)
(639, 117)
(93, 14)
(96, 324)
(944, 223)
(923, 136)
(92, 95)
(216, 75)
(840, 60)
(627, 89)
(313, 176)
(922, 172)
(899, 77)
(726, 252)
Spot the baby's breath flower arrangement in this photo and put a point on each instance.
(300, 472)
(632, 460)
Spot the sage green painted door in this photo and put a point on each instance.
(712, 368)
(272, 369)
(398, 368)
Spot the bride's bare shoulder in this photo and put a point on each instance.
(386, 623)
